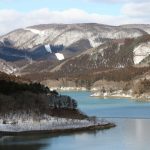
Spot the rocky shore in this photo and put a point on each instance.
(122, 94)
(138, 89)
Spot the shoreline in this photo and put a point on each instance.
(60, 131)
(26, 124)
(69, 89)
(123, 97)
(79, 89)
(106, 97)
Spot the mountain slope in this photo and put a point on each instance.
(73, 49)
(112, 54)
(144, 27)
(7, 67)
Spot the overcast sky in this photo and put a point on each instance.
(22, 13)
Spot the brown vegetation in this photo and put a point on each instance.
(142, 86)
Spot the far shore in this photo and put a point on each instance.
(69, 89)
(117, 97)
(79, 89)
(123, 97)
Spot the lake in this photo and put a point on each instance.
(132, 132)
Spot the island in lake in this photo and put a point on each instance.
(27, 107)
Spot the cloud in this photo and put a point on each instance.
(136, 9)
(11, 19)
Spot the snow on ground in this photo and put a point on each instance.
(118, 93)
(59, 56)
(44, 123)
(35, 31)
(6, 67)
(145, 96)
(92, 40)
(141, 52)
(48, 48)
(69, 37)
(69, 88)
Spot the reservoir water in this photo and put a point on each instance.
(132, 132)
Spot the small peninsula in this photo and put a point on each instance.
(27, 107)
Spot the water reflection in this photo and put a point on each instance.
(36, 142)
(22, 147)
(138, 133)
(22, 142)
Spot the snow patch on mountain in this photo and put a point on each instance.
(141, 52)
(59, 56)
(48, 48)
(69, 38)
(35, 31)
(92, 40)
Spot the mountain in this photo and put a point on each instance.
(67, 34)
(112, 54)
(62, 50)
(68, 38)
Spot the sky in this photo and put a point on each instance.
(22, 13)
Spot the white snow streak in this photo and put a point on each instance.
(59, 56)
(141, 52)
(35, 31)
(48, 48)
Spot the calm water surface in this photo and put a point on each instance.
(132, 131)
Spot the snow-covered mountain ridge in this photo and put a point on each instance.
(67, 34)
